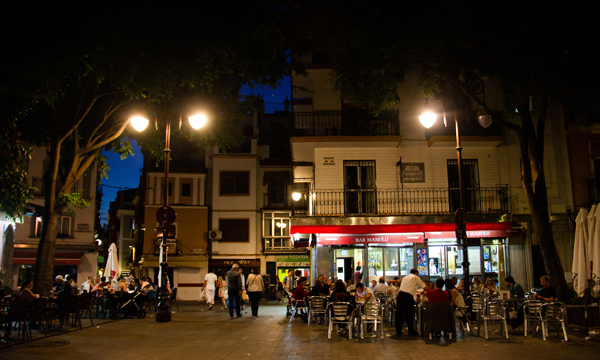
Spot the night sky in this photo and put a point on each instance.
(125, 174)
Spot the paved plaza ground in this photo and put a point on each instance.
(196, 333)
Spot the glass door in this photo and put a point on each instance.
(437, 262)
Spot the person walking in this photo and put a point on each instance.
(255, 289)
(210, 285)
(223, 288)
(234, 290)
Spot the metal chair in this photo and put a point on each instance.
(372, 314)
(462, 315)
(317, 306)
(340, 313)
(17, 314)
(36, 312)
(478, 308)
(495, 311)
(555, 312)
(532, 310)
(298, 305)
(85, 306)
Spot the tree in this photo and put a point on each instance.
(536, 52)
(78, 72)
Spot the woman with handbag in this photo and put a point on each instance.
(222, 282)
(255, 289)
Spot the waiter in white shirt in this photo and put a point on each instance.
(405, 302)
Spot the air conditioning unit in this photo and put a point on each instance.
(215, 235)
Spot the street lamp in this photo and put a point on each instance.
(163, 311)
(428, 119)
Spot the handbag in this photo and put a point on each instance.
(202, 295)
(244, 295)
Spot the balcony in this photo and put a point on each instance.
(42, 188)
(471, 133)
(375, 202)
(345, 123)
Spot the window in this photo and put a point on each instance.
(64, 226)
(276, 231)
(359, 187)
(37, 227)
(235, 230)
(235, 183)
(470, 174)
(277, 192)
(186, 190)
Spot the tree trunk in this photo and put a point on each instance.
(44, 263)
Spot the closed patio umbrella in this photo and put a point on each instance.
(112, 270)
(595, 253)
(7, 257)
(580, 274)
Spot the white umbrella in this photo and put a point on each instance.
(595, 252)
(112, 270)
(7, 257)
(579, 259)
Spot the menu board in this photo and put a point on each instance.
(474, 259)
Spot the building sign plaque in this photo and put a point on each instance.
(413, 172)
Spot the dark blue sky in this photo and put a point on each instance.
(126, 173)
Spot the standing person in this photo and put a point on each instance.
(243, 277)
(405, 302)
(255, 289)
(288, 285)
(210, 285)
(357, 275)
(222, 281)
(278, 289)
(234, 290)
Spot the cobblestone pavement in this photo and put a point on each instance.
(196, 333)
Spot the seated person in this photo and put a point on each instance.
(26, 293)
(351, 286)
(547, 293)
(461, 285)
(122, 285)
(364, 293)
(301, 292)
(103, 285)
(319, 289)
(456, 300)
(438, 295)
(478, 285)
(58, 283)
(490, 286)
(394, 287)
(516, 290)
(381, 287)
(340, 294)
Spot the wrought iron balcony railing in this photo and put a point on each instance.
(347, 123)
(406, 201)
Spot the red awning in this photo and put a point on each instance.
(394, 229)
(338, 239)
(28, 258)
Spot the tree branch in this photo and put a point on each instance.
(107, 140)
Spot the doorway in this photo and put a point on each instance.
(359, 187)
(470, 174)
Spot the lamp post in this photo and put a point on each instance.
(163, 311)
(428, 119)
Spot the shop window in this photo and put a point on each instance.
(235, 230)
(359, 187)
(186, 189)
(234, 183)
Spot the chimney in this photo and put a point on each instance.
(286, 104)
